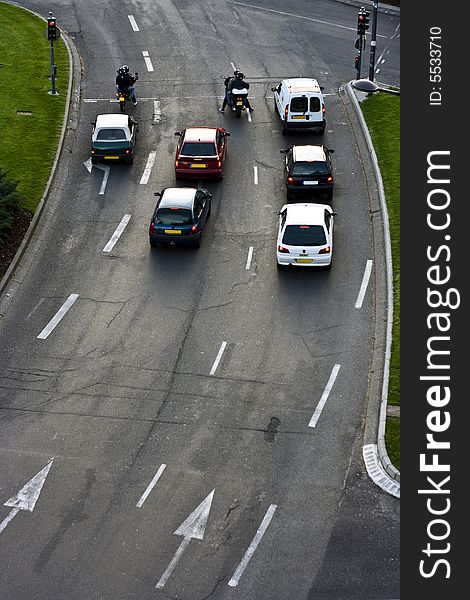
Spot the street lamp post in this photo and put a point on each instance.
(373, 42)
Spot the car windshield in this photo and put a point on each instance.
(173, 216)
(304, 235)
(199, 149)
(310, 168)
(111, 135)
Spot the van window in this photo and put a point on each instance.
(299, 104)
(314, 104)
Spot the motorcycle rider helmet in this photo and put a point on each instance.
(239, 75)
(125, 69)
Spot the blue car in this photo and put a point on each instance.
(179, 216)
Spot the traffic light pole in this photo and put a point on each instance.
(373, 42)
(53, 91)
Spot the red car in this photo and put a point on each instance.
(201, 152)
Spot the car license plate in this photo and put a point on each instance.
(111, 157)
(298, 116)
(304, 260)
(310, 182)
(173, 231)
(197, 166)
(239, 103)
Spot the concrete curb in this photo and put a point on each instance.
(9, 281)
(382, 471)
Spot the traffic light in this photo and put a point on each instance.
(363, 19)
(51, 29)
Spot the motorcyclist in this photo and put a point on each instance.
(236, 82)
(125, 82)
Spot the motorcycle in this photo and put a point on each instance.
(236, 100)
(124, 96)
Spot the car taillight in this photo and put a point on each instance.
(329, 179)
(219, 164)
(93, 151)
(286, 111)
(290, 180)
(152, 228)
(325, 250)
(283, 249)
(127, 151)
(194, 228)
(323, 109)
(177, 164)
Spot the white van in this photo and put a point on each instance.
(300, 104)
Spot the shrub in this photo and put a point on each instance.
(9, 204)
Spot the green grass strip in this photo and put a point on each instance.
(382, 114)
(29, 142)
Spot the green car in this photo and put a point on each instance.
(113, 138)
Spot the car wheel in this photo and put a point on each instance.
(130, 160)
(289, 196)
(197, 243)
(153, 244)
(209, 211)
(329, 195)
(280, 267)
(94, 160)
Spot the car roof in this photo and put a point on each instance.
(305, 213)
(178, 197)
(200, 134)
(112, 120)
(308, 153)
(302, 84)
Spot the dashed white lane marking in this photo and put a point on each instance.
(256, 540)
(286, 14)
(148, 62)
(248, 114)
(117, 234)
(157, 111)
(324, 397)
(57, 317)
(151, 485)
(233, 66)
(106, 170)
(218, 357)
(148, 168)
(133, 23)
(255, 175)
(364, 284)
(376, 471)
(250, 256)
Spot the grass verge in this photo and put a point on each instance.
(29, 141)
(382, 114)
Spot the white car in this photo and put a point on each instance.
(305, 237)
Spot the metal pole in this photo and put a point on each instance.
(53, 92)
(373, 42)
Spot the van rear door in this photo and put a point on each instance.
(298, 108)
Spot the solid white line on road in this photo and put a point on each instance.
(255, 175)
(117, 234)
(133, 23)
(364, 284)
(148, 168)
(157, 112)
(148, 62)
(217, 360)
(256, 540)
(58, 317)
(250, 256)
(248, 115)
(106, 170)
(324, 397)
(233, 66)
(279, 12)
(151, 485)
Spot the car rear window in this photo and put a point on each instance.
(304, 235)
(299, 104)
(314, 104)
(173, 216)
(199, 149)
(111, 135)
(310, 168)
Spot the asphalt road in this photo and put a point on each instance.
(129, 379)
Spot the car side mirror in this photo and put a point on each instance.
(322, 88)
(178, 133)
(284, 150)
(334, 214)
(331, 151)
(273, 89)
(158, 194)
(226, 134)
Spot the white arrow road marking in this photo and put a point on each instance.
(324, 397)
(148, 168)
(27, 497)
(148, 62)
(151, 485)
(88, 164)
(193, 527)
(218, 357)
(117, 234)
(250, 256)
(256, 540)
(57, 317)
(133, 23)
(364, 284)
(106, 170)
